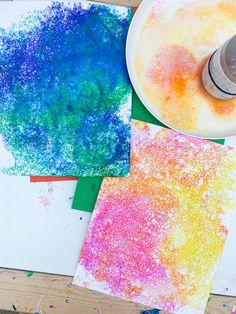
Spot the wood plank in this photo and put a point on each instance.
(55, 294)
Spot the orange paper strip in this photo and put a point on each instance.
(46, 179)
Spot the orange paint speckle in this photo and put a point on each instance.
(223, 107)
(172, 68)
(228, 9)
(69, 291)
(133, 291)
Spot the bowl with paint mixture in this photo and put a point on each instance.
(168, 44)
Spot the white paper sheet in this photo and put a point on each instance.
(225, 280)
(40, 232)
(38, 229)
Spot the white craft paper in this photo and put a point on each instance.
(38, 229)
(225, 280)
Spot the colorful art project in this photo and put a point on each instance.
(156, 237)
(87, 188)
(65, 95)
(167, 72)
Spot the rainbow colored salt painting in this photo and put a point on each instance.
(156, 237)
(65, 95)
(175, 41)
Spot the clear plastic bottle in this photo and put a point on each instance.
(219, 73)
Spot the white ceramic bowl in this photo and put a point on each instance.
(131, 48)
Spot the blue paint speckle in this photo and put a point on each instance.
(153, 311)
(63, 81)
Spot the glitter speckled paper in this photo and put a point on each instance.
(175, 41)
(65, 95)
(156, 237)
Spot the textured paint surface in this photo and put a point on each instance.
(155, 237)
(64, 89)
(85, 196)
(169, 69)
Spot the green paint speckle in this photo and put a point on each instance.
(29, 274)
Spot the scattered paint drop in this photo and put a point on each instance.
(44, 201)
(29, 274)
(153, 311)
(209, 299)
(99, 311)
(50, 189)
(81, 218)
(51, 306)
(69, 291)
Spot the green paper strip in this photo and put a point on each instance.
(88, 188)
(86, 193)
(139, 111)
(220, 141)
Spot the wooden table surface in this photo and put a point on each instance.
(34, 292)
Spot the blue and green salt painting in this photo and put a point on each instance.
(65, 95)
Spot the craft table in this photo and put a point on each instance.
(28, 292)
(31, 292)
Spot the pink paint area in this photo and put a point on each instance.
(150, 233)
(172, 67)
(126, 265)
(158, 9)
(44, 201)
